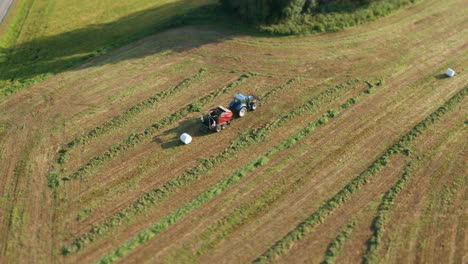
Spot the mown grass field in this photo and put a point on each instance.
(357, 152)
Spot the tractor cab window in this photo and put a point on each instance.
(240, 101)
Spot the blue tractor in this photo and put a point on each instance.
(243, 103)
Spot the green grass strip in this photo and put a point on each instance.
(11, 33)
(135, 139)
(370, 256)
(317, 217)
(335, 247)
(221, 186)
(7, 40)
(123, 118)
(247, 139)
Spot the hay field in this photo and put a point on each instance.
(357, 152)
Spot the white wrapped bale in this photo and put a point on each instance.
(185, 138)
(450, 72)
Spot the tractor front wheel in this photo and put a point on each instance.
(253, 106)
(242, 111)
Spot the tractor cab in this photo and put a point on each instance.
(243, 103)
(240, 99)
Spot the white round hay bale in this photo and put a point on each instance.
(450, 72)
(185, 138)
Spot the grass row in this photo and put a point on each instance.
(221, 186)
(241, 215)
(121, 119)
(134, 139)
(246, 139)
(401, 146)
(335, 247)
(370, 256)
(382, 216)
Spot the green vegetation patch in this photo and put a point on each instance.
(3, 128)
(310, 16)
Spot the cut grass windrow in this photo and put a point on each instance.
(382, 217)
(335, 247)
(224, 184)
(248, 138)
(134, 139)
(370, 256)
(123, 118)
(317, 217)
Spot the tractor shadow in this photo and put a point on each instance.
(170, 138)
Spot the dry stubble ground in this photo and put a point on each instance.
(405, 49)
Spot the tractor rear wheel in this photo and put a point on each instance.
(242, 111)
